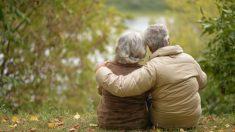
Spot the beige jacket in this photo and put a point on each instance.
(175, 78)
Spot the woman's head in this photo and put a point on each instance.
(156, 36)
(130, 48)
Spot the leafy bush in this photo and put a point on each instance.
(45, 51)
(219, 58)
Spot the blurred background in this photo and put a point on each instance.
(49, 49)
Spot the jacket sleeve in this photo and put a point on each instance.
(135, 83)
(201, 78)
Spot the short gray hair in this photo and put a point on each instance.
(130, 48)
(156, 36)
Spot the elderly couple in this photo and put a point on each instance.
(164, 92)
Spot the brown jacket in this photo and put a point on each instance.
(175, 78)
(122, 112)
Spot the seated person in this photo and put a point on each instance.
(124, 113)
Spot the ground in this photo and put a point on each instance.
(65, 121)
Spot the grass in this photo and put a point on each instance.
(64, 121)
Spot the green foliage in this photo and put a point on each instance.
(219, 58)
(45, 48)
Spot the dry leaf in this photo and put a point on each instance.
(33, 118)
(4, 120)
(233, 129)
(15, 119)
(59, 124)
(51, 125)
(227, 125)
(32, 130)
(72, 130)
(76, 126)
(93, 125)
(13, 126)
(77, 116)
(182, 130)
(221, 130)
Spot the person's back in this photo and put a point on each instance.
(176, 101)
(122, 112)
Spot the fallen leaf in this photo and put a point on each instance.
(32, 130)
(4, 120)
(221, 130)
(77, 116)
(233, 129)
(72, 130)
(76, 126)
(13, 126)
(227, 125)
(15, 119)
(51, 125)
(93, 125)
(182, 130)
(57, 122)
(33, 118)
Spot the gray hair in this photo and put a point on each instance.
(130, 48)
(156, 36)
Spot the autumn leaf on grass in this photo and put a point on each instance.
(227, 125)
(33, 118)
(13, 126)
(51, 125)
(32, 130)
(77, 116)
(15, 119)
(3, 120)
(74, 128)
(57, 122)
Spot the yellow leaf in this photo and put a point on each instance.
(51, 125)
(158, 130)
(13, 126)
(33, 118)
(77, 116)
(15, 119)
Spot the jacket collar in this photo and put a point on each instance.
(166, 51)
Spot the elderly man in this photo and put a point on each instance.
(173, 77)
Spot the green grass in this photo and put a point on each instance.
(87, 122)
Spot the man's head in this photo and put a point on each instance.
(156, 36)
(130, 48)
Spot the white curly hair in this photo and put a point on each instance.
(130, 48)
(156, 36)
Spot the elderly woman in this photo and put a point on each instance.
(124, 112)
(174, 76)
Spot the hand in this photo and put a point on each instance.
(99, 65)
